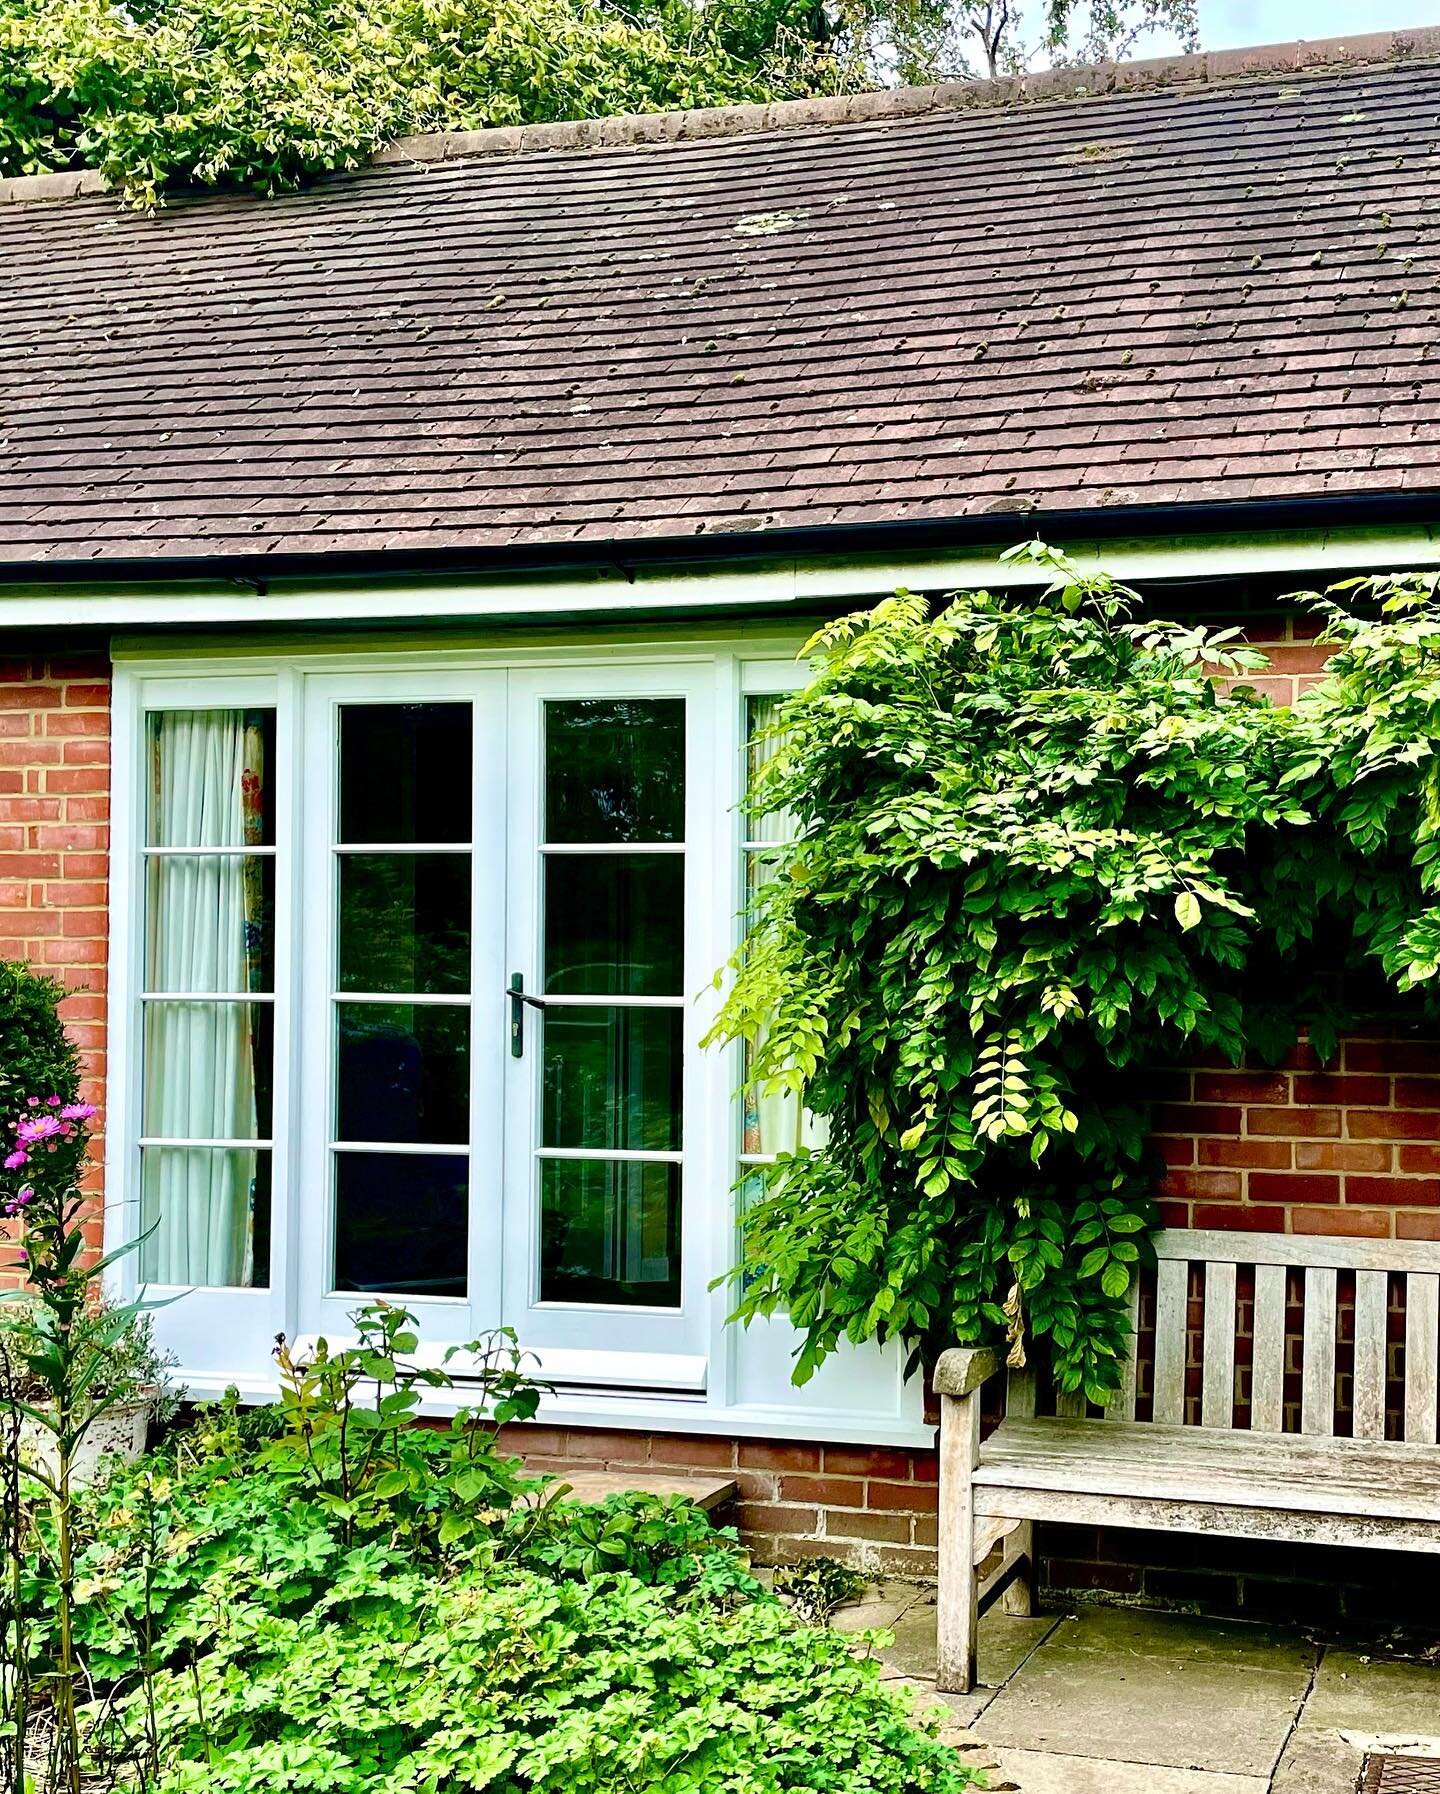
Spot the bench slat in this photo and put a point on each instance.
(1218, 1399)
(1227, 1520)
(1335, 1476)
(1020, 1395)
(1422, 1325)
(1123, 1406)
(1172, 1291)
(1367, 1400)
(1317, 1387)
(1267, 1375)
(1197, 1243)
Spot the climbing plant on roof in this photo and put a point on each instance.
(1048, 844)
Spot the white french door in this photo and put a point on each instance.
(506, 885)
(610, 891)
(400, 1067)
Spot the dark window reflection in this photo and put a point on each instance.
(405, 773)
(615, 769)
(610, 1232)
(404, 1073)
(615, 924)
(405, 922)
(401, 1224)
(612, 1078)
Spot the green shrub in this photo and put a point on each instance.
(1048, 844)
(327, 1597)
(37, 1056)
(507, 1680)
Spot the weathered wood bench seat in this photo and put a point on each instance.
(1365, 1328)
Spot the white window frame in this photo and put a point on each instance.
(727, 1380)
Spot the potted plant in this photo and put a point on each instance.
(131, 1388)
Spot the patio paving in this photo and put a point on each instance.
(1112, 1701)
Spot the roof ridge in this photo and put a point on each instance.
(1067, 83)
(1095, 80)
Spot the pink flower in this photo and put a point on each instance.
(78, 1111)
(54, 1101)
(43, 1127)
(19, 1201)
(16, 1160)
(33, 1101)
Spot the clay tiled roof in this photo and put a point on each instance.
(1205, 286)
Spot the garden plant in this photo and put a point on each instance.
(1049, 844)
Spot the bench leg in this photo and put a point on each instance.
(1018, 1597)
(958, 1616)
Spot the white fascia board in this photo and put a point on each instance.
(657, 590)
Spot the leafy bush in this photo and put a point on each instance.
(265, 91)
(36, 1054)
(507, 1680)
(1046, 848)
(330, 1597)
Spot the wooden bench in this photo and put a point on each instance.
(1282, 1473)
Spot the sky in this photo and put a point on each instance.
(1225, 24)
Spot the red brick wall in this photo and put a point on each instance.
(54, 839)
(871, 1503)
(1353, 1148)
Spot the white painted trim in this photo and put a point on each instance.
(813, 581)
(626, 1411)
(714, 670)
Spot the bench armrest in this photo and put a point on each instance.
(962, 1369)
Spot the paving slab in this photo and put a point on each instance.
(1318, 1763)
(1169, 1709)
(1374, 1695)
(884, 1603)
(1130, 1632)
(1040, 1772)
(1006, 1640)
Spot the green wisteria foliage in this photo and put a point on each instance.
(1046, 846)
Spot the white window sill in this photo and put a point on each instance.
(626, 1412)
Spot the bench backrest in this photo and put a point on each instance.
(1338, 1305)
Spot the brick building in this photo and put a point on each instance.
(345, 535)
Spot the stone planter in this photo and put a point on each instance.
(119, 1433)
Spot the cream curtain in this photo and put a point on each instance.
(773, 1124)
(199, 1066)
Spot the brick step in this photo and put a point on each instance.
(707, 1492)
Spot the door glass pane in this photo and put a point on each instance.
(615, 924)
(404, 1073)
(206, 1067)
(610, 1232)
(210, 923)
(207, 1071)
(615, 769)
(401, 1226)
(405, 923)
(612, 1078)
(210, 778)
(405, 773)
(206, 1212)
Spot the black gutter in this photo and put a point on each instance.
(839, 541)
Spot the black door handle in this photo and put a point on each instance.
(518, 999)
